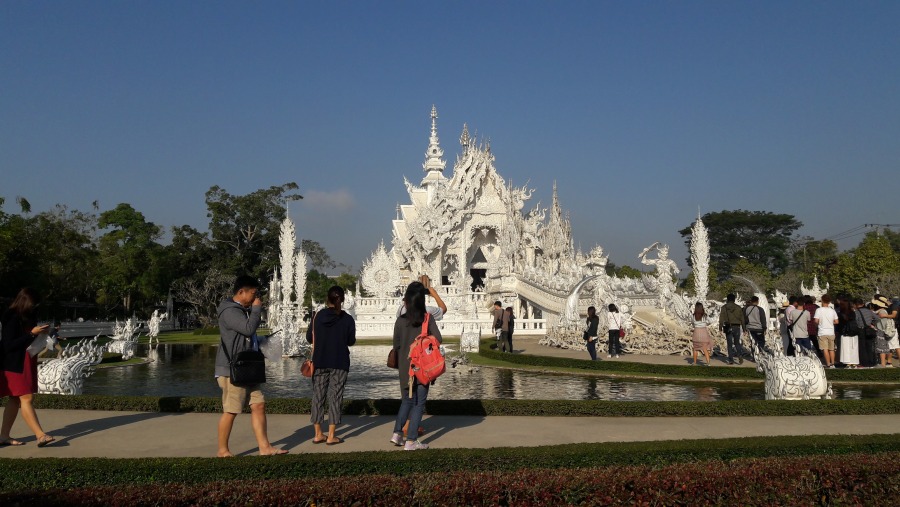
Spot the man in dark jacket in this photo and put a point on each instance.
(731, 319)
(238, 320)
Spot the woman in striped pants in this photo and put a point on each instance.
(331, 333)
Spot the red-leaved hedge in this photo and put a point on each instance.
(855, 479)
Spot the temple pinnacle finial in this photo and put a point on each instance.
(434, 163)
(464, 139)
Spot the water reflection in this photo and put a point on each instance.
(187, 370)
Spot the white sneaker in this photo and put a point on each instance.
(397, 439)
(414, 445)
(617, 356)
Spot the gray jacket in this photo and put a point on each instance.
(236, 327)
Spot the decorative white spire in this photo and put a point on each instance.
(434, 163)
(464, 139)
(700, 258)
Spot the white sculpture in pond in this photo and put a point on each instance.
(666, 269)
(790, 378)
(66, 374)
(468, 341)
(124, 339)
(153, 326)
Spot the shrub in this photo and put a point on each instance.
(597, 408)
(849, 479)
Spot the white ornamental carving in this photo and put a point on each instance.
(153, 326)
(790, 378)
(66, 374)
(380, 275)
(124, 339)
(700, 258)
(815, 291)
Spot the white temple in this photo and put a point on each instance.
(470, 232)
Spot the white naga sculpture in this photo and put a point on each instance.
(153, 326)
(790, 378)
(124, 339)
(666, 269)
(66, 374)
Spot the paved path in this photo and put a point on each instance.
(85, 433)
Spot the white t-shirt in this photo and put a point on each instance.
(826, 317)
(435, 311)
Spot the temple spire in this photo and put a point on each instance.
(464, 138)
(434, 163)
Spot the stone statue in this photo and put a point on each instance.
(666, 269)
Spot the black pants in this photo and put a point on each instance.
(614, 344)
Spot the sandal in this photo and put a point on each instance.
(336, 442)
(319, 441)
(10, 441)
(45, 440)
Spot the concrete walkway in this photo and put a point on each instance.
(85, 433)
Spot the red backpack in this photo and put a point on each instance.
(426, 361)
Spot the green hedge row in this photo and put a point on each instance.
(58, 474)
(856, 479)
(600, 408)
(670, 370)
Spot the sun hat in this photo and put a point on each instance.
(882, 302)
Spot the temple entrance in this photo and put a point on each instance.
(477, 278)
(478, 272)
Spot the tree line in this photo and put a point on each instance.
(763, 247)
(112, 263)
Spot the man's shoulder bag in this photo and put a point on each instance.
(247, 368)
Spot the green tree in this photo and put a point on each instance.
(317, 255)
(129, 258)
(245, 228)
(854, 271)
(622, 271)
(761, 237)
(811, 256)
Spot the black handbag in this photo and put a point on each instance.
(247, 368)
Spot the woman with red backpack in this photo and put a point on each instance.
(407, 328)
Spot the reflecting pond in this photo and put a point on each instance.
(187, 370)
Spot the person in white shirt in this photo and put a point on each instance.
(826, 318)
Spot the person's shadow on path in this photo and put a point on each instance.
(83, 428)
(306, 434)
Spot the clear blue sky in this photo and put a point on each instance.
(642, 111)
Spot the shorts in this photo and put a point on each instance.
(235, 398)
(826, 342)
(894, 343)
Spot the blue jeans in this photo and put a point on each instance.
(806, 343)
(733, 338)
(592, 348)
(412, 409)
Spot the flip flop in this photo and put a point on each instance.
(319, 441)
(11, 441)
(336, 442)
(45, 440)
